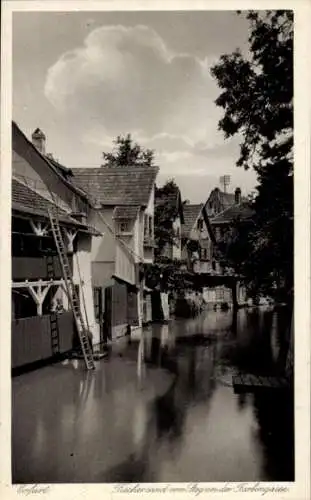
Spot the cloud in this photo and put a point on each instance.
(125, 79)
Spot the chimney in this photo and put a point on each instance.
(38, 140)
(237, 195)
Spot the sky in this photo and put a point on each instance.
(86, 77)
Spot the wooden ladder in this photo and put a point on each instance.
(72, 293)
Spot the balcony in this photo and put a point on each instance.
(34, 268)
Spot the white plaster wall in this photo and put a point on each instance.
(136, 239)
(107, 249)
(150, 206)
(82, 262)
(196, 234)
(148, 253)
(125, 265)
(177, 244)
(43, 180)
(103, 248)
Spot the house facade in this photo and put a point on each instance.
(223, 210)
(197, 239)
(38, 289)
(123, 200)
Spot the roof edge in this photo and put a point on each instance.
(50, 165)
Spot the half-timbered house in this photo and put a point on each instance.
(39, 301)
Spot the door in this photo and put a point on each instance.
(108, 311)
(132, 308)
(98, 309)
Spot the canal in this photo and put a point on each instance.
(161, 408)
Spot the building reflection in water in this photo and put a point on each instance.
(248, 340)
(100, 427)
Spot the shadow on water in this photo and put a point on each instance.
(252, 341)
(275, 416)
(193, 430)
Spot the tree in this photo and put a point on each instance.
(126, 153)
(257, 99)
(164, 214)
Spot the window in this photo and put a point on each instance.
(214, 265)
(124, 227)
(200, 224)
(220, 294)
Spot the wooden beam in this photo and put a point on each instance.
(27, 283)
(70, 235)
(38, 227)
(39, 295)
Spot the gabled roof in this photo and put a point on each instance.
(191, 213)
(65, 171)
(125, 212)
(241, 211)
(57, 169)
(27, 201)
(226, 199)
(130, 185)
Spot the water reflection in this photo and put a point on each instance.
(202, 354)
(103, 426)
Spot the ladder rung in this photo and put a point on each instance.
(74, 298)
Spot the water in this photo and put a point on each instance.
(161, 409)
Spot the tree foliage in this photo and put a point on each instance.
(257, 99)
(164, 215)
(168, 275)
(126, 152)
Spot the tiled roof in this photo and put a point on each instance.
(125, 212)
(236, 211)
(191, 213)
(27, 201)
(63, 170)
(27, 148)
(107, 185)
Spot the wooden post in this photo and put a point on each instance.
(39, 295)
(70, 236)
(38, 228)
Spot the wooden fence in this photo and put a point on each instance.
(31, 338)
